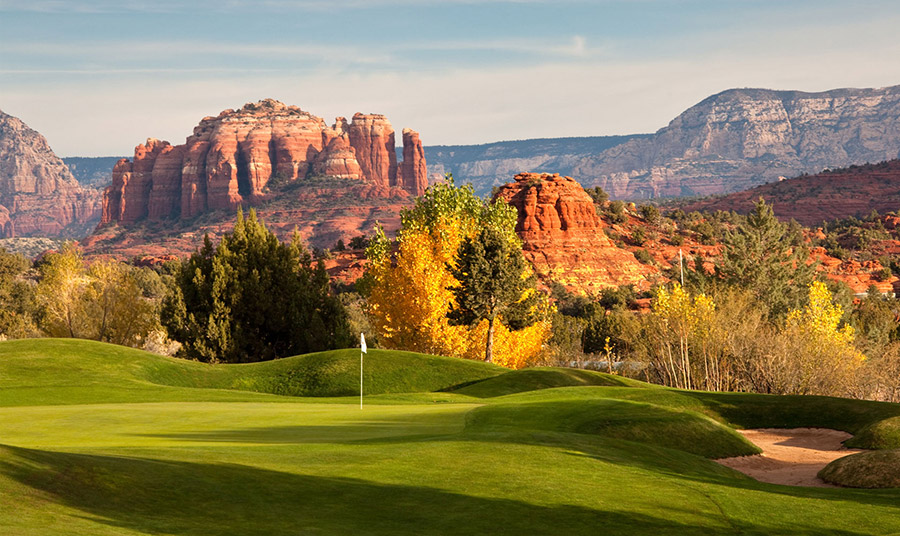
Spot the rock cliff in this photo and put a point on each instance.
(728, 142)
(741, 138)
(38, 194)
(235, 158)
(563, 236)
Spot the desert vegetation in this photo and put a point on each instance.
(759, 319)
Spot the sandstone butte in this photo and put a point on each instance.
(38, 194)
(233, 159)
(563, 237)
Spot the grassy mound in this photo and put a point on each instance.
(883, 434)
(61, 371)
(687, 431)
(534, 379)
(876, 469)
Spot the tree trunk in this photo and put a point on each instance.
(489, 351)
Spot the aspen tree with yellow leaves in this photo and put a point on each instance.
(817, 354)
(409, 280)
(680, 326)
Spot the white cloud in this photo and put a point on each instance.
(98, 101)
(110, 116)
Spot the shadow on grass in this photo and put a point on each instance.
(291, 435)
(750, 410)
(196, 499)
(656, 458)
(367, 427)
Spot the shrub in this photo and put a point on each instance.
(615, 212)
(643, 256)
(638, 237)
(650, 214)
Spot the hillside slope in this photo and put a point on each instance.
(812, 199)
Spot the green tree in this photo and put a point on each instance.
(17, 299)
(494, 284)
(764, 256)
(253, 298)
(598, 195)
(114, 305)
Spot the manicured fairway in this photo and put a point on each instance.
(101, 440)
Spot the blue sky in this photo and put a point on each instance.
(98, 77)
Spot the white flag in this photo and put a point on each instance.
(362, 342)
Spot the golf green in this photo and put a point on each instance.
(102, 440)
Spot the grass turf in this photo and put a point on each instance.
(110, 441)
(873, 469)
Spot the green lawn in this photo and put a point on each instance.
(103, 440)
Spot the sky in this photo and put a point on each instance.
(98, 77)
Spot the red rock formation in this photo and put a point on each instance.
(112, 197)
(372, 137)
(230, 160)
(412, 175)
(165, 193)
(338, 160)
(563, 237)
(136, 194)
(38, 193)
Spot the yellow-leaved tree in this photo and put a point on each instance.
(817, 354)
(102, 301)
(408, 280)
(680, 329)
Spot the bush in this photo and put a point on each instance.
(359, 242)
(615, 212)
(598, 195)
(253, 298)
(650, 214)
(638, 237)
(643, 256)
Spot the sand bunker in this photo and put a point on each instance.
(792, 456)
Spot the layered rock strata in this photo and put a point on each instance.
(742, 138)
(563, 236)
(728, 142)
(234, 158)
(38, 194)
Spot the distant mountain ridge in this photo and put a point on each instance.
(492, 164)
(730, 141)
(92, 171)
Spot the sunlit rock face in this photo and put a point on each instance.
(563, 237)
(38, 194)
(232, 159)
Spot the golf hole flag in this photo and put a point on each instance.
(362, 350)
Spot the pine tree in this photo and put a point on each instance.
(769, 259)
(492, 285)
(253, 298)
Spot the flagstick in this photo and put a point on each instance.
(362, 350)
